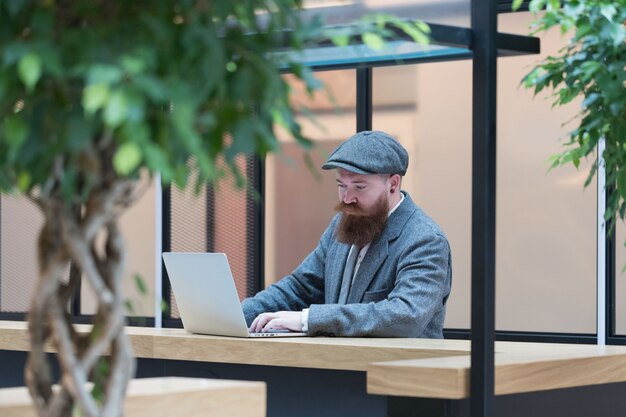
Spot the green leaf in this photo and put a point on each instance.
(592, 98)
(165, 307)
(29, 70)
(415, 32)
(157, 162)
(116, 110)
(104, 74)
(23, 181)
(139, 283)
(373, 40)
(422, 26)
(95, 97)
(341, 40)
(618, 34)
(608, 11)
(132, 65)
(15, 131)
(129, 306)
(516, 4)
(127, 158)
(536, 5)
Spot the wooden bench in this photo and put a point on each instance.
(166, 397)
(519, 367)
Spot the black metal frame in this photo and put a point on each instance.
(484, 116)
(364, 98)
(526, 336)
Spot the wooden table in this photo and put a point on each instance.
(336, 372)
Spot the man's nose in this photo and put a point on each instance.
(349, 197)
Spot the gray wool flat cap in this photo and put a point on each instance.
(370, 152)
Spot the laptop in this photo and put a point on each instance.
(207, 297)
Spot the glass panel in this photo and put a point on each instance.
(337, 12)
(345, 12)
(546, 222)
(428, 109)
(393, 51)
(546, 235)
(298, 206)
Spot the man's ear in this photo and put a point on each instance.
(394, 181)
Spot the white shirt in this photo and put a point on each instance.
(362, 252)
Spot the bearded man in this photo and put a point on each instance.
(382, 268)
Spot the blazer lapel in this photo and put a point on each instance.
(335, 274)
(379, 250)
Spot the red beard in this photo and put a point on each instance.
(359, 227)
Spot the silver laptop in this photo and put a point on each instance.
(206, 296)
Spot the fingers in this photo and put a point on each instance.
(281, 320)
(261, 322)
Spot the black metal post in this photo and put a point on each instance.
(210, 218)
(610, 271)
(363, 99)
(255, 230)
(484, 28)
(166, 245)
(75, 303)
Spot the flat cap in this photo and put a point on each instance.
(370, 152)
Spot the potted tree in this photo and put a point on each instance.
(96, 94)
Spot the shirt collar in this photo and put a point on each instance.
(397, 205)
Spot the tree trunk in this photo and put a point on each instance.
(86, 235)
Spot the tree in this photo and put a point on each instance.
(96, 93)
(592, 66)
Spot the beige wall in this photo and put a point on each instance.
(138, 228)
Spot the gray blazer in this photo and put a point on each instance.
(400, 289)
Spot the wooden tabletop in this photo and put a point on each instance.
(306, 352)
(164, 397)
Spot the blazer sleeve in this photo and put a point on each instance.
(303, 287)
(418, 296)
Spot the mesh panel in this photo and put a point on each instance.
(218, 219)
(20, 223)
(230, 231)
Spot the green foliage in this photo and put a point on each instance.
(592, 66)
(94, 89)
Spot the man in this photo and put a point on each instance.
(382, 268)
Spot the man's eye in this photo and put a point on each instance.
(341, 186)
(360, 187)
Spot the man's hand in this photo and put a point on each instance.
(280, 320)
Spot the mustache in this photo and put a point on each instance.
(352, 209)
